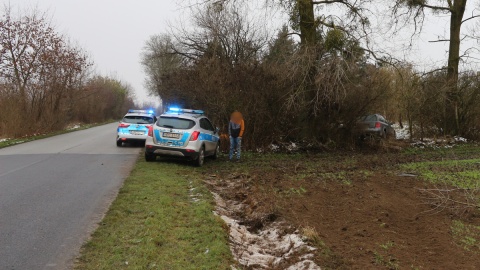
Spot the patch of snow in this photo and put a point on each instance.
(76, 126)
(305, 265)
(274, 147)
(401, 133)
(195, 196)
(292, 147)
(266, 248)
(4, 140)
(438, 143)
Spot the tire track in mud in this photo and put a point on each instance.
(258, 240)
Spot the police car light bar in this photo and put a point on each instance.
(178, 110)
(141, 111)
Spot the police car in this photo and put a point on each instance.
(183, 133)
(134, 126)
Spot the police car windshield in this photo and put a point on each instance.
(177, 123)
(135, 119)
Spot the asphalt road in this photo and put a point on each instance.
(54, 191)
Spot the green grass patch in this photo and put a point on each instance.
(466, 235)
(292, 191)
(299, 167)
(457, 152)
(384, 257)
(161, 219)
(459, 173)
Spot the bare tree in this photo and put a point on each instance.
(306, 20)
(224, 30)
(42, 77)
(23, 43)
(315, 81)
(116, 97)
(159, 58)
(456, 11)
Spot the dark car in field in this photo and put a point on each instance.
(374, 125)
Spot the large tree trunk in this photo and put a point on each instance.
(456, 17)
(308, 33)
(307, 23)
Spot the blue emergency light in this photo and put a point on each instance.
(179, 111)
(141, 111)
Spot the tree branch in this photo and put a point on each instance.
(472, 17)
(332, 25)
(435, 7)
(350, 6)
(439, 40)
(331, 2)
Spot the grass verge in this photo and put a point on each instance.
(161, 219)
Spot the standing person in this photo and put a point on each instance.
(236, 127)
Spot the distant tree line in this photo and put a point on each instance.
(46, 82)
(312, 89)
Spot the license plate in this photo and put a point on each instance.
(171, 135)
(134, 132)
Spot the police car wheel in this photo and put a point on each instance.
(201, 157)
(217, 152)
(119, 143)
(150, 157)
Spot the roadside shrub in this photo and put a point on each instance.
(42, 80)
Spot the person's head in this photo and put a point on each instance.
(236, 116)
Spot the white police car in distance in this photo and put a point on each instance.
(182, 133)
(134, 126)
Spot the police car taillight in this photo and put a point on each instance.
(195, 135)
(123, 125)
(150, 131)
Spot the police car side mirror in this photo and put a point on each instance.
(217, 130)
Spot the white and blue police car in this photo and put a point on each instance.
(183, 133)
(134, 126)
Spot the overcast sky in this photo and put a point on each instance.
(113, 33)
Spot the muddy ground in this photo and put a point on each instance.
(357, 208)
